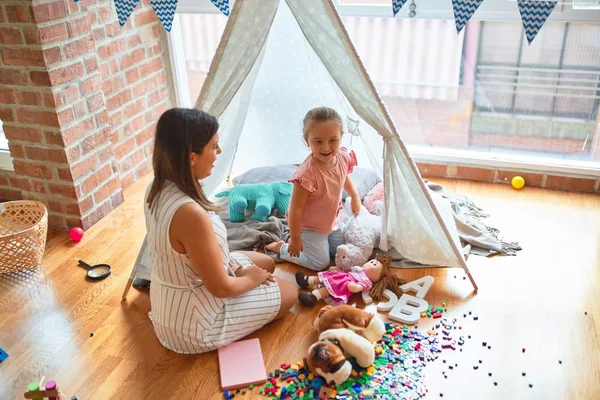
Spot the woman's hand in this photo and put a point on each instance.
(356, 205)
(257, 275)
(295, 247)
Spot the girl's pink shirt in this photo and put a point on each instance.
(326, 185)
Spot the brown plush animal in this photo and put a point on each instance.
(340, 329)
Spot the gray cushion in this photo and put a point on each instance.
(364, 179)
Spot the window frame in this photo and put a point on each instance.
(489, 10)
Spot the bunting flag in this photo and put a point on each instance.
(165, 11)
(396, 5)
(463, 10)
(223, 6)
(534, 14)
(124, 9)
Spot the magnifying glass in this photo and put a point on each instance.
(96, 272)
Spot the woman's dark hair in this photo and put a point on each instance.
(179, 132)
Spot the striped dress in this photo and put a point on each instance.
(187, 318)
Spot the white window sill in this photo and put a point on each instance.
(6, 161)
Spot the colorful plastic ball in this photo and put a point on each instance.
(518, 182)
(76, 234)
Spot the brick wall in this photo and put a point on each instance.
(79, 97)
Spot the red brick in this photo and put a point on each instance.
(32, 35)
(106, 154)
(162, 78)
(54, 138)
(156, 49)
(71, 94)
(531, 179)
(22, 57)
(33, 170)
(91, 64)
(79, 47)
(134, 109)
(66, 74)
(10, 36)
(7, 115)
(132, 76)
(137, 156)
(16, 150)
(40, 78)
(133, 58)
(13, 77)
(46, 118)
(52, 56)
(119, 99)
(10, 194)
(28, 98)
(114, 66)
(143, 169)
(91, 84)
(144, 87)
(67, 191)
(57, 221)
(22, 183)
(73, 154)
(79, 109)
(7, 96)
(105, 14)
(17, 13)
(83, 167)
(155, 97)
(134, 40)
(102, 118)
(65, 116)
(22, 134)
(74, 7)
(116, 119)
(95, 102)
(476, 174)
(573, 184)
(51, 100)
(43, 154)
(125, 166)
(97, 214)
(80, 208)
(145, 17)
(150, 67)
(40, 187)
(110, 86)
(109, 50)
(2, 17)
(53, 33)
(79, 26)
(105, 71)
(144, 136)
(49, 11)
(96, 179)
(99, 34)
(107, 189)
(64, 174)
(124, 148)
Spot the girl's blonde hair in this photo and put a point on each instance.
(320, 115)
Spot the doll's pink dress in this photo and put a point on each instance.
(337, 283)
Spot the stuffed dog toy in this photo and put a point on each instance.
(344, 331)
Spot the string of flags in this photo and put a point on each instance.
(534, 13)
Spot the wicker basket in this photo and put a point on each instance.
(23, 229)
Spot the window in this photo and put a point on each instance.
(482, 95)
(5, 158)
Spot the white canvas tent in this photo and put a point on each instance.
(279, 58)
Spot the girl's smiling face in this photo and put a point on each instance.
(324, 141)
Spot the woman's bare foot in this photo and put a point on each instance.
(275, 247)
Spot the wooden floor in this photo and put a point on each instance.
(536, 300)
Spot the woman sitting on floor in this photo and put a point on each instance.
(202, 297)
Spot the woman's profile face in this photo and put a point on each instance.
(203, 163)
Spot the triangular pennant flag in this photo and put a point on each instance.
(534, 14)
(222, 5)
(463, 10)
(397, 5)
(124, 9)
(165, 11)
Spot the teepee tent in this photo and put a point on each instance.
(277, 59)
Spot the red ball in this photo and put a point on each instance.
(76, 234)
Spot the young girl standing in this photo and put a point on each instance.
(316, 198)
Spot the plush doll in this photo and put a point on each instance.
(374, 200)
(335, 287)
(258, 196)
(361, 236)
(344, 332)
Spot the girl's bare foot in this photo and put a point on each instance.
(275, 247)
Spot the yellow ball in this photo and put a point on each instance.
(518, 182)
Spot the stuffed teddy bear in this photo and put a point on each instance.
(344, 332)
(361, 236)
(374, 200)
(335, 287)
(261, 197)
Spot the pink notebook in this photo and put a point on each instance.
(241, 364)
